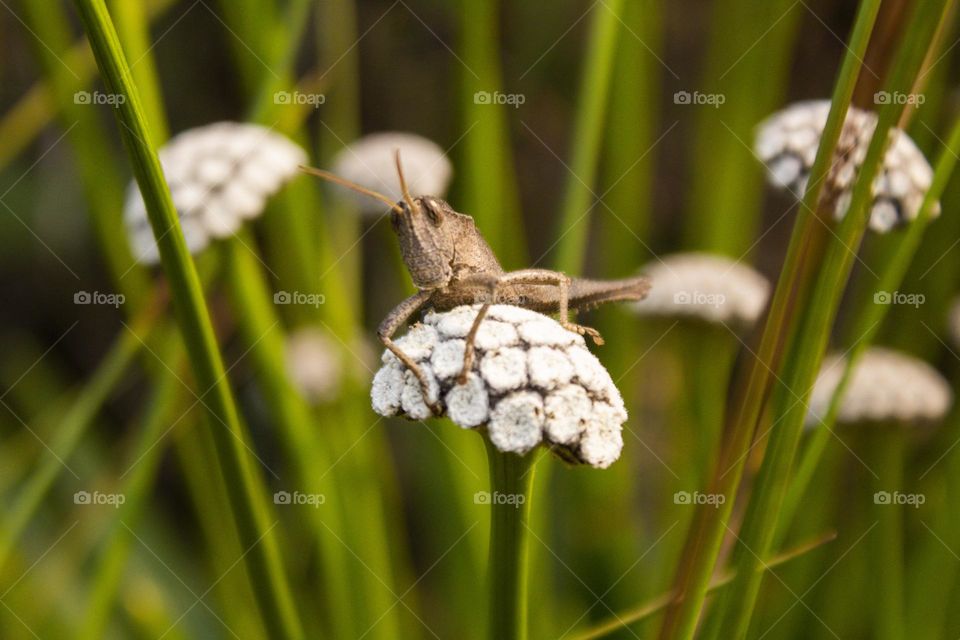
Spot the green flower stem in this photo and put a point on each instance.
(250, 23)
(260, 327)
(748, 63)
(887, 541)
(489, 190)
(654, 606)
(511, 477)
(243, 482)
(868, 324)
(709, 526)
(70, 431)
(592, 100)
(806, 349)
(707, 353)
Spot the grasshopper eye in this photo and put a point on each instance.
(395, 219)
(433, 212)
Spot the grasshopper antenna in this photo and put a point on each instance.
(403, 184)
(330, 177)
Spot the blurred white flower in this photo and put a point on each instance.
(532, 382)
(219, 175)
(370, 162)
(313, 364)
(787, 144)
(885, 386)
(705, 286)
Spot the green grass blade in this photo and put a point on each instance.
(69, 433)
(709, 526)
(868, 324)
(489, 189)
(261, 329)
(807, 348)
(246, 489)
(656, 605)
(592, 100)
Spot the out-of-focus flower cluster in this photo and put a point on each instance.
(787, 143)
(219, 175)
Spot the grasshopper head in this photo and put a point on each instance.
(426, 243)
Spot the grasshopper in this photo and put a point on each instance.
(451, 265)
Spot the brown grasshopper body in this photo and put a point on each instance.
(452, 265)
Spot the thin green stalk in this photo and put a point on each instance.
(510, 479)
(748, 64)
(243, 482)
(806, 349)
(340, 60)
(868, 324)
(888, 611)
(209, 495)
(650, 608)
(709, 527)
(261, 329)
(593, 96)
(69, 433)
(115, 549)
(133, 27)
(489, 183)
(249, 23)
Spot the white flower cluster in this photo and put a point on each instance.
(787, 144)
(219, 175)
(370, 162)
(705, 286)
(885, 386)
(532, 382)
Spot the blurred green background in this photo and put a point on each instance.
(599, 170)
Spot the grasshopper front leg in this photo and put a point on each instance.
(397, 318)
